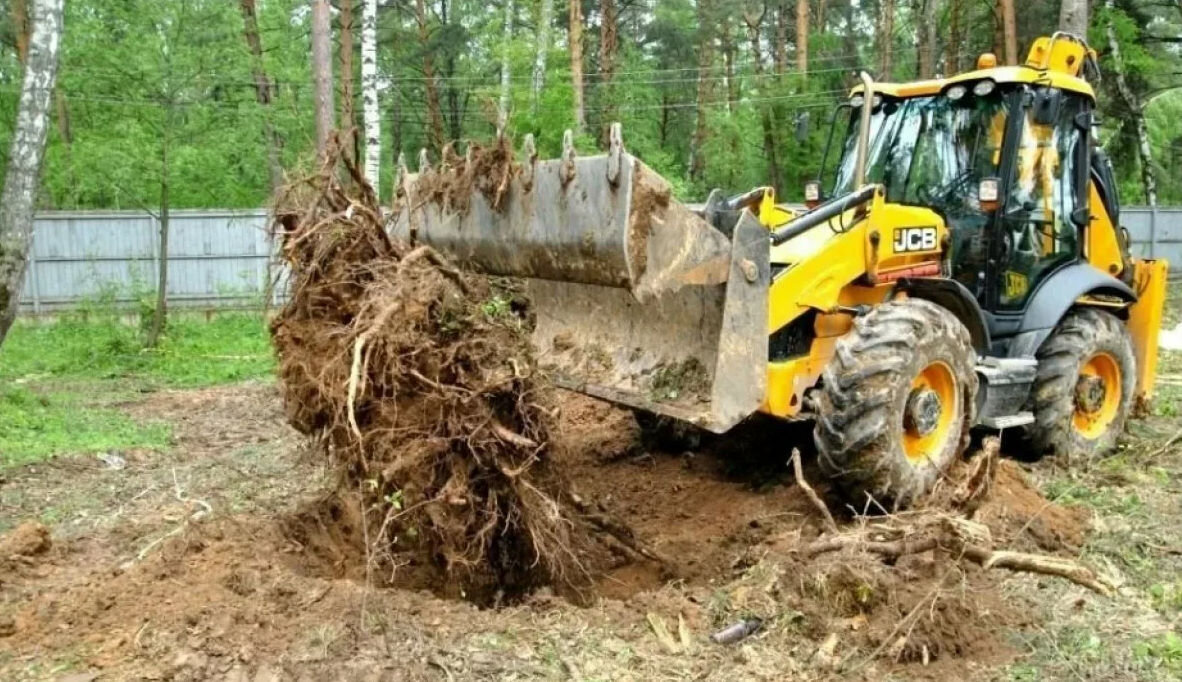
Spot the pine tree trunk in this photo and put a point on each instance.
(545, 18)
(754, 26)
(819, 21)
(263, 90)
(369, 93)
(1073, 17)
(576, 64)
(802, 36)
(697, 162)
(395, 100)
(954, 46)
(348, 95)
(780, 38)
(728, 60)
(886, 39)
(434, 110)
(1010, 30)
(322, 75)
(25, 155)
(927, 40)
(608, 45)
(1133, 103)
(503, 104)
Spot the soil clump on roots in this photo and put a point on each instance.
(425, 395)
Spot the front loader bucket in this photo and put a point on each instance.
(638, 299)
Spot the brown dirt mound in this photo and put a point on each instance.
(28, 539)
(426, 397)
(1020, 514)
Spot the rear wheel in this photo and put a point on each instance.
(896, 402)
(1084, 389)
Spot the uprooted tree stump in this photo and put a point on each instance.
(423, 390)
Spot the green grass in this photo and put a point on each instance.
(231, 347)
(57, 378)
(34, 426)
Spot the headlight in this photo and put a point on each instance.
(957, 92)
(857, 101)
(984, 87)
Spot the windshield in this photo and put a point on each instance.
(928, 151)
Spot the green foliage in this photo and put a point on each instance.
(1163, 652)
(138, 76)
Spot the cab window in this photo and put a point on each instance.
(1038, 234)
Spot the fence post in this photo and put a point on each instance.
(34, 288)
(1153, 232)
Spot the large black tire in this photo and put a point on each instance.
(869, 390)
(1063, 395)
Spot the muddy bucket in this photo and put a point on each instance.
(638, 299)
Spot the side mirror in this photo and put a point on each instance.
(812, 194)
(1047, 102)
(802, 126)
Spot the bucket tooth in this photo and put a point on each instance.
(529, 156)
(567, 172)
(447, 158)
(615, 149)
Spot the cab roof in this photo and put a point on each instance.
(1054, 61)
(1000, 74)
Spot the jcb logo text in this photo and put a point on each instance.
(915, 239)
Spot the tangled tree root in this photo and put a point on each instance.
(422, 388)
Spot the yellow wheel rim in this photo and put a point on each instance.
(1097, 395)
(929, 412)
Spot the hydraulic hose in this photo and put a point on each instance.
(823, 213)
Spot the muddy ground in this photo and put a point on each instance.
(226, 558)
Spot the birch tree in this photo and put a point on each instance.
(369, 92)
(503, 104)
(1073, 17)
(25, 156)
(322, 74)
(1136, 109)
(545, 18)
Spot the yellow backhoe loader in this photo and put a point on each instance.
(961, 265)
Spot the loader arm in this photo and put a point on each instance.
(850, 258)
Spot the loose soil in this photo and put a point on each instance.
(280, 586)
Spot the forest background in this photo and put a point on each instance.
(205, 103)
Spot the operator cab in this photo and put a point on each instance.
(1003, 160)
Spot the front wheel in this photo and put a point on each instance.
(1084, 388)
(896, 402)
